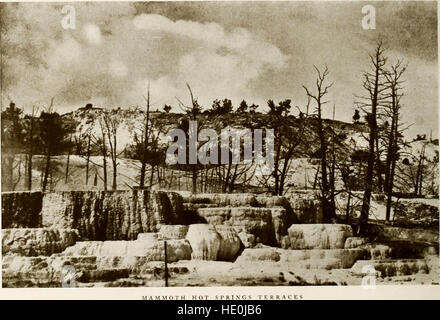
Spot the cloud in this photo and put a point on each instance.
(114, 53)
(118, 69)
(211, 33)
(92, 34)
(67, 54)
(253, 51)
(220, 63)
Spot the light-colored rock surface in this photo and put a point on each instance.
(306, 205)
(51, 271)
(97, 215)
(148, 236)
(322, 258)
(305, 259)
(137, 264)
(246, 238)
(223, 199)
(220, 208)
(258, 273)
(255, 221)
(400, 250)
(319, 236)
(279, 222)
(230, 244)
(390, 268)
(235, 199)
(24, 264)
(112, 271)
(193, 207)
(259, 254)
(204, 240)
(326, 254)
(152, 250)
(280, 202)
(422, 212)
(378, 251)
(272, 201)
(433, 263)
(355, 242)
(404, 234)
(172, 232)
(36, 241)
(215, 216)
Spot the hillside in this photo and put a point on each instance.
(132, 122)
(348, 138)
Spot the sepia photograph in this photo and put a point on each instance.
(219, 144)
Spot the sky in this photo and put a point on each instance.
(235, 50)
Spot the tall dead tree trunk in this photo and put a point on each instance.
(152, 176)
(394, 84)
(372, 83)
(115, 164)
(29, 172)
(111, 124)
(378, 166)
(30, 150)
(66, 179)
(328, 210)
(104, 164)
(103, 147)
(145, 148)
(192, 112)
(88, 157)
(419, 176)
(46, 171)
(333, 169)
(194, 118)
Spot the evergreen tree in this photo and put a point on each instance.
(53, 138)
(243, 108)
(356, 116)
(12, 143)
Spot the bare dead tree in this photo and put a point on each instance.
(328, 208)
(394, 83)
(289, 133)
(230, 175)
(145, 142)
(192, 112)
(89, 139)
(419, 173)
(155, 154)
(375, 86)
(101, 142)
(111, 122)
(332, 169)
(66, 178)
(17, 168)
(30, 147)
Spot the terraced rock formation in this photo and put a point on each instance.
(117, 239)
